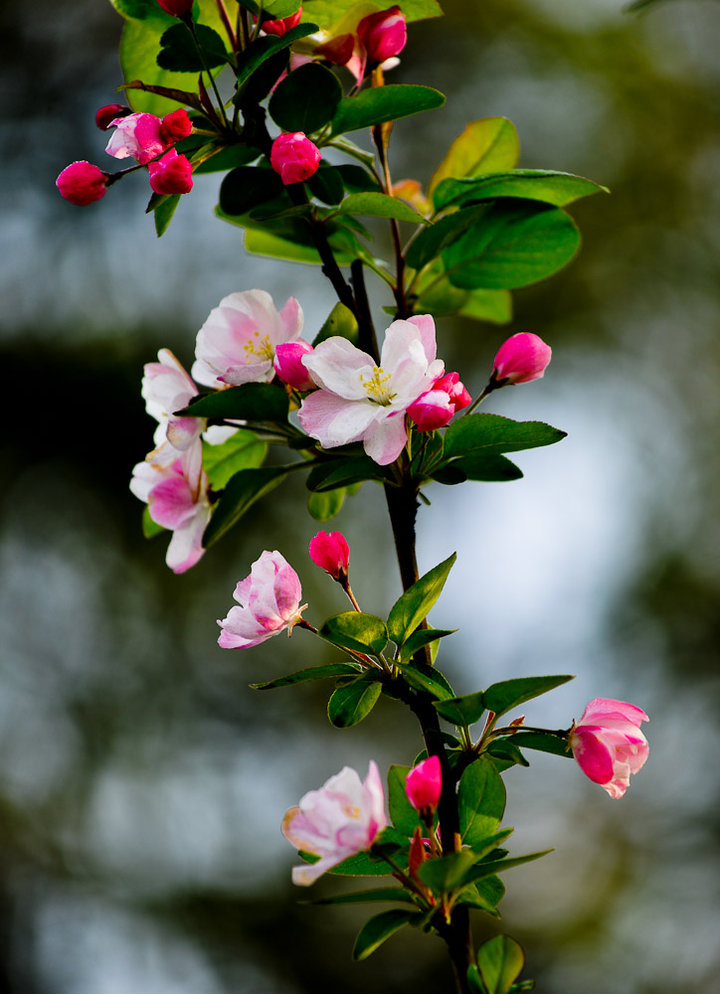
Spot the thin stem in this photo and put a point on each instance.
(227, 23)
(380, 135)
(213, 84)
(367, 340)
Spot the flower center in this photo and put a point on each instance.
(260, 347)
(352, 811)
(376, 386)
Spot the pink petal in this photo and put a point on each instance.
(592, 756)
(385, 439)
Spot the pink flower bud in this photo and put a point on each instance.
(522, 358)
(383, 34)
(82, 183)
(171, 174)
(608, 744)
(423, 785)
(175, 126)
(178, 8)
(331, 553)
(436, 407)
(104, 116)
(459, 396)
(294, 157)
(289, 365)
(280, 27)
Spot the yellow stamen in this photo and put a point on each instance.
(376, 387)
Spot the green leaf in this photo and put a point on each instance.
(348, 705)
(260, 52)
(265, 242)
(485, 894)
(427, 678)
(368, 896)
(488, 305)
(324, 506)
(487, 467)
(362, 864)
(505, 753)
(556, 745)
(248, 402)
(179, 52)
(490, 145)
(380, 205)
(465, 710)
(486, 434)
(356, 630)
(225, 159)
(303, 676)
(306, 99)
(247, 187)
(328, 13)
(327, 184)
(383, 103)
(357, 179)
(378, 929)
(141, 10)
(421, 638)
(241, 492)
(547, 186)
(448, 873)
(515, 243)
(243, 450)
(342, 472)
(413, 606)
(163, 207)
(500, 961)
(481, 801)
(442, 234)
(341, 321)
(508, 694)
(402, 814)
(150, 528)
(492, 866)
(275, 8)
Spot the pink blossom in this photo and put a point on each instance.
(175, 487)
(104, 116)
(383, 34)
(171, 174)
(294, 157)
(522, 358)
(344, 817)
(82, 183)
(178, 8)
(289, 365)
(423, 785)
(437, 406)
(282, 25)
(608, 744)
(167, 388)
(269, 600)
(136, 136)
(237, 343)
(331, 553)
(359, 401)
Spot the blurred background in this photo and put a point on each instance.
(142, 783)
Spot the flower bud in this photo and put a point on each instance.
(338, 51)
(175, 126)
(436, 407)
(522, 358)
(456, 391)
(82, 183)
(294, 157)
(331, 553)
(289, 365)
(383, 34)
(171, 174)
(178, 8)
(283, 25)
(423, 785)
(104, 116)
(608, 745)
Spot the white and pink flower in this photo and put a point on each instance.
(136, 136)
(237, 342)
(269, 603)
(608, 744)
(360, 401)
(344, 817)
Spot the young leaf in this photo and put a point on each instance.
(490, 145)
(248, 402)
(304, 676)
(241, 492)
(163, 207)
(378, 929)
(413, 606)
(493, 434)
(420, 638)
(306, 99)
(383, 103)
(487, 467)
(427, 678)
(500, 961)
(348, 705)
(442, 234)
(243, 450)
(481, 802)
(556, 745)
(448, 873)
(485, 894)
(465, 710)
(494, 306)
(324, 506)
(492, 866)
(508, 694)
(356, 630)
(263, 49)
(556, 188)
(380, 205)
(402, 814)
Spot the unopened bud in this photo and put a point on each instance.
(82, 183)
(171, 174)
(383, 34)
(522, 358)
(289, 365)
(175, 126)
(283, 25)
(104, 116)
(423, 785)
(294, 157)
(331, 553)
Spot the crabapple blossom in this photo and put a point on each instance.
(423, 785)
(136, 136)
(608, 744)
(289, 365)
(269, 603)
(330, 552)
(282, 25)
(340, 819)
(237, 342)
(167, 388)
(171, 174)
(294, 157)
(437, 406)
(361, 401)
(383, 34)
(82, 183)
(520, 359)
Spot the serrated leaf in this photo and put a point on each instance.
(504, 754)
(481, 802)
(350, 704)
(243, 450)
(413, 606)
(248, 402)
(312, 673)
(421, 638)
(486, 467)
(491, 867)
(241, 492)
(545, 185)
(465, 710)
(500, 962)
(378, 929)
(485, 894)
(427, 678)
(508, 694)
(402, 814)
(306, 99)
(492, 433)
(380, 205)
(383, 103)
(494, 306)
(225, 159)
(489, 145)
(448, 873)
(356, 630)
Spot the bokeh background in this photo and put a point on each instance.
(142, 783)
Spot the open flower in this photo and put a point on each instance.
(237, 342)
(269, 600)
(136, 136)
(342, 818)
(167, 388)
(608, 744)
(359, 401)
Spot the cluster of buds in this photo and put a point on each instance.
(376, 40)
